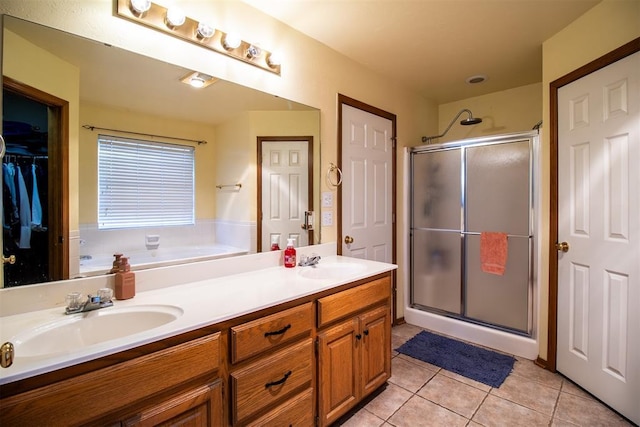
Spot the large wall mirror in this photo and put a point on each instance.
(63, 93)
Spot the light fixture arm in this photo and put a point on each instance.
(429, 138)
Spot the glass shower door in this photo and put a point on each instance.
(498, 199)
(436, 221)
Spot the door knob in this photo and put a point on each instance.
(9, 260)
(348, 240)
(563, 247)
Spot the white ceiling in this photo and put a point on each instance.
(433, 46)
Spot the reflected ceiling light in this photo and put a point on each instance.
(273, 60)
(140, 6)
(253, 52)
(198, 80)
(231, 41)
(205, 30)
(175, 17)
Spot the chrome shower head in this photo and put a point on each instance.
(471, 121)
(466, 122)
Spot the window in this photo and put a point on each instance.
(144, 183)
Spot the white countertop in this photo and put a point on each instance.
(203, 303)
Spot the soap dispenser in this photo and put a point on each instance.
(125, 280)
(290, 255)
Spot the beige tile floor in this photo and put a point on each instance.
(421, 394)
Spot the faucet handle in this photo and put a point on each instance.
(73, 300)
(105, 294)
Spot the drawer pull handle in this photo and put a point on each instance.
(278, 332)
(280, 381)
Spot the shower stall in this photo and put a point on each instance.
(463, 193)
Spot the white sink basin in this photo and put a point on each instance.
(332, 270)
(76, 331)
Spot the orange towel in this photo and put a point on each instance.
(493, 252)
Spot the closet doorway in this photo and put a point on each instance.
(35, 185)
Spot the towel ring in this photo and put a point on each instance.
(332, 168)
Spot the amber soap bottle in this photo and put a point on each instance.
(125, 280)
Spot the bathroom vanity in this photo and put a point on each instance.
(273, 346)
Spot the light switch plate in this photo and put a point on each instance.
(327, 199)
(327, 219)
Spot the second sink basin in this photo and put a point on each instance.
(331, 270)
(84, 329)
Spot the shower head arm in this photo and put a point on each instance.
(429, 138)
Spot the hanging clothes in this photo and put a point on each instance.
(25, 213)
(9, 175)
(36, 207)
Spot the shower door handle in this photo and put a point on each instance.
(562, 247)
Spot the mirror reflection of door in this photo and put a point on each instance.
(285, 186)
(34, 186)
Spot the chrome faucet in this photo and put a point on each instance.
(307, 261)
(93, 302)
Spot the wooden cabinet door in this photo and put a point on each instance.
(199, 407)
(338, 376)
(375, 366)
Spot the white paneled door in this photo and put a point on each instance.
(367, 186)
(285, 192)
(598, 341)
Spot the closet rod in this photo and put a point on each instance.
(91, 127)
(25, 156)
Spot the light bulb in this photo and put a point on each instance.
(175, 17)
(205, 30)
(273, 60)
(140, 6)
(253, 52)
(231, 41)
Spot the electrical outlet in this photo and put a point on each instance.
(327, 219)
(327, 199)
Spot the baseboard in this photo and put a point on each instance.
(399, 321)
(542, 363)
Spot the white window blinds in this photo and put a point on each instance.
(144, 183)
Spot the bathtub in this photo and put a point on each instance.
(92, 265)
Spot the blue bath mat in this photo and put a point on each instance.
(485, 366)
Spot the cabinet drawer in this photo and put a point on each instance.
(262, 334)
(345, 303)
(296, 412)
(270, 380)
(84, 398)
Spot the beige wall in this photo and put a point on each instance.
(507, 111)
(602, 29)
(236, 153)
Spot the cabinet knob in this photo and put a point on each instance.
(358, 336)
(366, 332)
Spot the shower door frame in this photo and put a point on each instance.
(462, 145)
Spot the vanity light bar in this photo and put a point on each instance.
(198, 32)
